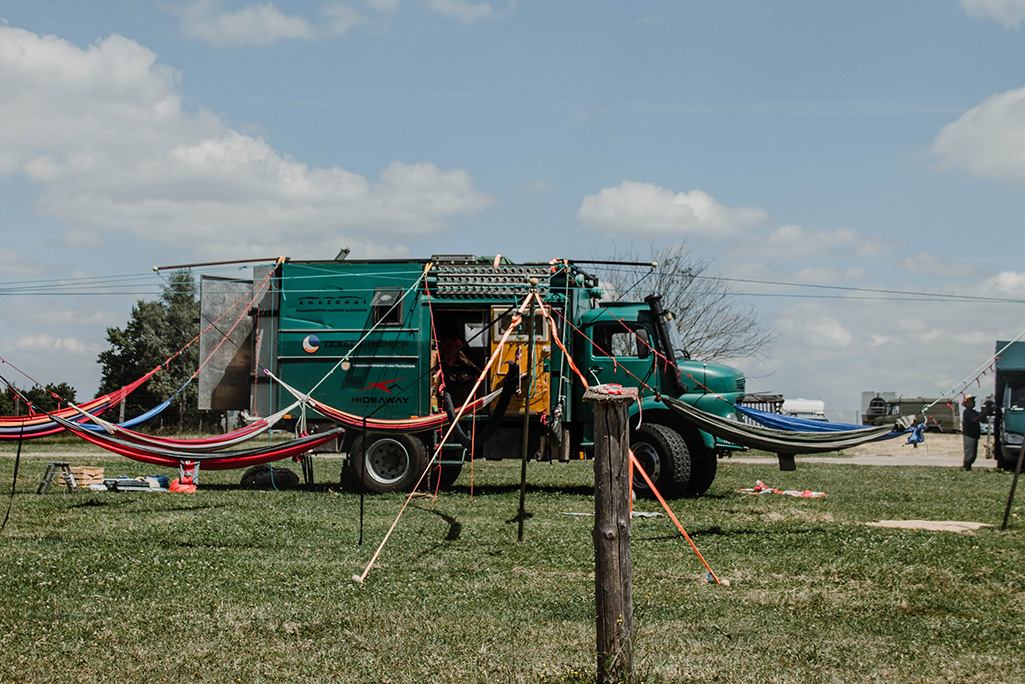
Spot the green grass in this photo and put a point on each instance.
(232, 585)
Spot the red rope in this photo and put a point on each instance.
(635, 464)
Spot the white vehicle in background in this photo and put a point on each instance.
(809, 409)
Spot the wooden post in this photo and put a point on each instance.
(613, 591)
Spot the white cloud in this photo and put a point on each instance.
(341, 17)
(797, 242)
(930, 264)
(255, 25)
(264, 24)
(383, 6)
(103, 132)
(466, 12)
(47, 343)
(816, 331)
(1005, 284)
(1010, 13)
(639, 210)
(988, 140)
(816, 275)
(13, 265)
(24, 313)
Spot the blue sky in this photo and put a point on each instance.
(877, 144)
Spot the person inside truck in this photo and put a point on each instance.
(455, 363)
(971, 429)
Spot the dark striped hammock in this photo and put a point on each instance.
(201, 445)
(783, 441)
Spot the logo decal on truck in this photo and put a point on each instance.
(383, 385)
(311, 343)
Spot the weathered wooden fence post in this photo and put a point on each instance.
(613, 591)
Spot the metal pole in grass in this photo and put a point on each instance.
(362, 469)
(613, 589)
(1014, 485)
(526, 411)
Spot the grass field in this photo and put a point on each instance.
(233, 585)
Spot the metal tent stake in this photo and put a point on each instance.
(526, 411)
(1014, 485)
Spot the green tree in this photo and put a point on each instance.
(41, 398)
(7, 404)
(157, 333)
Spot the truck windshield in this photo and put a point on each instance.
(1017, 398)
(674, 338)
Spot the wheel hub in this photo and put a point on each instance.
(387, 461)
(647, 456)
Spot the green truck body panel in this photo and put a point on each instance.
(325, 311)
(1009, 398)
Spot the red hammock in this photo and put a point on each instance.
(40, 424)
(114, 398)
(173, 458)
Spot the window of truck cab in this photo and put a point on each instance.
(619, 340)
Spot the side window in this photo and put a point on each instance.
(619, 342)
(519, 334)
(1017, 398)
(386, 307)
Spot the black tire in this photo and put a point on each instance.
(703, 465)
(446, 473)
(1005, 463)
(663, 454)
(384, 463)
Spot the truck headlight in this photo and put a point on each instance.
(1012, 438)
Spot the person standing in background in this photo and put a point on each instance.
(971, 429)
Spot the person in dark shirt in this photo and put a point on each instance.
(971, 429)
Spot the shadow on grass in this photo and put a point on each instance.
(455, 528)
(572, 490)
(128, 501)
(716, 531)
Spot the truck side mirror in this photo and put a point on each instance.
(643, 343)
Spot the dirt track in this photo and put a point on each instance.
(937, 450)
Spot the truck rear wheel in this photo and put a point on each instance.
(387, 462)
(664, 456)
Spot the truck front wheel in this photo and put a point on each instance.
(387, 462)
(664, 456)
(702, 471)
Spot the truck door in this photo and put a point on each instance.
(619, 353)
(538, 384)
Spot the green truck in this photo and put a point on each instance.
(1009, 400)
(400, 339)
